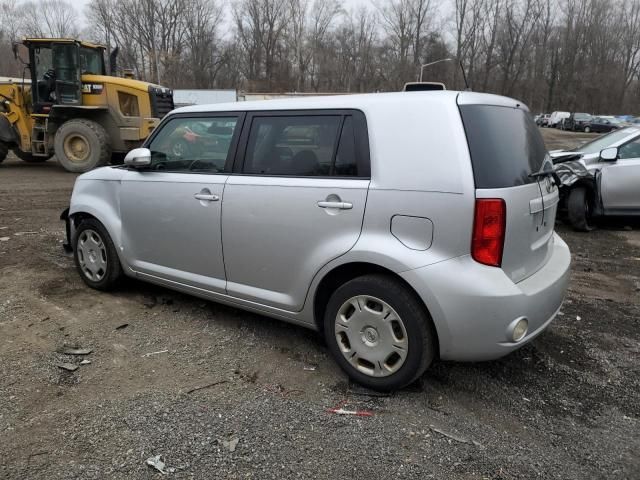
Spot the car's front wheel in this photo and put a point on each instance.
(95, 255)
(580, 209)
(379, 332)
(587, 129)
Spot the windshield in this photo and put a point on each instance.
(582, 116)
(606, 141)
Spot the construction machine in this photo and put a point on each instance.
(72, 109)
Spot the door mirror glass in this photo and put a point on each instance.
(609, 154)
(138, 157)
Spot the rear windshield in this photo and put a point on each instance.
(505, 145)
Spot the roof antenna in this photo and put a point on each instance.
(464, 75)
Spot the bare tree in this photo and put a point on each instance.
(48, 18)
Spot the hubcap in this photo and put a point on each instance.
(371, 336)
(92, 255)
(76, 147)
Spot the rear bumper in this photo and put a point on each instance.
(474, 306)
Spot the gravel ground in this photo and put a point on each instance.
(173, 375)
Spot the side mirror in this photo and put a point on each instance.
(138, 157)
(609, 154)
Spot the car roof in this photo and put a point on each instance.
(354, 101)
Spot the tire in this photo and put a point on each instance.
(580, 208)
(587, 129)
(97, 261)
(4, 151)
(82, 145)
(28, 157)
(413, 330)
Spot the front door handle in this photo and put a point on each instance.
(207, 197)
(336, 205)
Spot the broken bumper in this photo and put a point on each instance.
(66, 244)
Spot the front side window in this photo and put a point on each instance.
(630, 150)
(301, 145)
(197, 145)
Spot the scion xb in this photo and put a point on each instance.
(404, 226)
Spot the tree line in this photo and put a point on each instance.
(576, 55)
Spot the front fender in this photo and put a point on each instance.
(100, 199)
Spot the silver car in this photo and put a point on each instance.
(404, 226)
(600, 178)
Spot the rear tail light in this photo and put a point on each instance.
(489, 226)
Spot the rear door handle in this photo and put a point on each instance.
(206, 197)
(337, 205)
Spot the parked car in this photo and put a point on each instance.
(339, 214)
(578, 122)
(600, 178)
(543, 120)
(603, 125)
(556, 118)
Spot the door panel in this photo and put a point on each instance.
(171, 226)
(620, 185)
(278, 232)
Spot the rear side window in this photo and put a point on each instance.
(505, 145)
(301, 145)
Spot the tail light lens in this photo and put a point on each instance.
(489, 226)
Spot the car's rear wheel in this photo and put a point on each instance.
(580, 209)
(379, 332)
(587, 129)
(95, 255)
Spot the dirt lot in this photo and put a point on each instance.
(567, 406)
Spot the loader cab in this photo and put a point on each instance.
(57, 66)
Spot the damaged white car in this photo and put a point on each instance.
(600, 178)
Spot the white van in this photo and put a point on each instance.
(556, 118)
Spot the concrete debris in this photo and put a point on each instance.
(157, 462)
(69, 367)
(231, 444)
(77, 351)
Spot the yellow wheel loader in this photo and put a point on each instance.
(72, 109)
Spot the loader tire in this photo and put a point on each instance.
(82, 145)
(4, 151)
